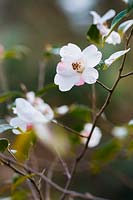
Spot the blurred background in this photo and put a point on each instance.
(38, 24)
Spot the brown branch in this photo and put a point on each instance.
(68, 128)
(10, 163)
(126, 75)
(98, 114)
(104, 86)
(50, 175)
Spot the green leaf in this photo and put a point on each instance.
(20, 194)
(105, 154)
(23, 144)
(48, 87)
(7, 95)
(80, 111)
(3, 144)
(93, 34)
(19, 180)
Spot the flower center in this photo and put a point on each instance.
(78, 67)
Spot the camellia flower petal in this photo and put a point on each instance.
(119, 132)
(115, 56)
(27, 116)
(76, 66)
(62, 110)
(40, 105)
(114, 38)
(97, 19)
(96, 135)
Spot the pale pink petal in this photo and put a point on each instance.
(115, 56)
(27, 112)
(96, 135)
(91, 56)
(66, 82)
(65, 68)
(81, 82)
(70, 52)
(16, 122)
(90, 75)
(114, 38)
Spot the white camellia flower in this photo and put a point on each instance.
(40, 105)
(114, 37)
(115, 56)
(76, 66)
(27, 116)
(96, 135)
(119, 132)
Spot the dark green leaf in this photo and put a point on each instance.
(93, 34)
(80, 111)
(3, 144)
(104, 154)
(7, 95)
(119, 17)
(48, 87)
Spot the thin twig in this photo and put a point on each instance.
(50, 175)
(104, 86)
(41, 74)
(126, 75)
(68, 128)
(64, 165)
(93, 101)
(10, 163)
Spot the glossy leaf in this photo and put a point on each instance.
(117, 19)
(93, 34)
(3, 144)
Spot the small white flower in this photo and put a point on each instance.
(115, 56)
(126, 1)
(40, 105)
(123, 27)
(27, 116)
(96, 135)
(62, 110)
(119, 132)
(114, 37)
(130, 123)
(76, 66)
